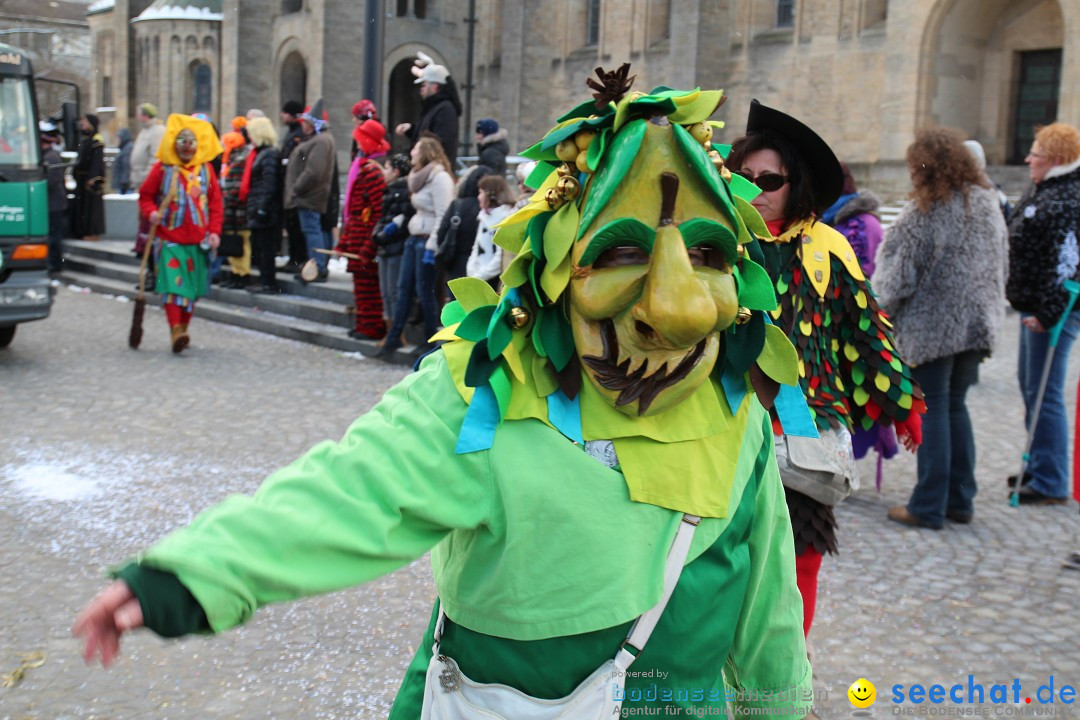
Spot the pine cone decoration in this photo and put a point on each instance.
(612, 86)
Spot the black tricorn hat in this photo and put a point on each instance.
(828, 176)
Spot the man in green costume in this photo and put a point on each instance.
(547, 453)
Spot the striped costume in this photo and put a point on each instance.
(363, 207)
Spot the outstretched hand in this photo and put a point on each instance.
(113, 612)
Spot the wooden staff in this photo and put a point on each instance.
(135, 336)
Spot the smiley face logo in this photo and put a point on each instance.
(862, 693)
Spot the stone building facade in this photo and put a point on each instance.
(865, 73)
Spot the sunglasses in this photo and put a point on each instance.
(767, 181)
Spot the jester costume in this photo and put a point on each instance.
(186, 192)
(547, 452)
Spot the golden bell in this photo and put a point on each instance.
(565, 170)
(568, 187)
(554, 199)
(742, 316)
(519, 317)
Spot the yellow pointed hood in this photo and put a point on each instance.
(209, 144)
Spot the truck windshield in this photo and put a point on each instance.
(18, 127)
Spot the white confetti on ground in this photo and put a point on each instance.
(46, 481)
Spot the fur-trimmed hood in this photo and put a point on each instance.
(494, 137)
(863, 202)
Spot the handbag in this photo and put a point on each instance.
(450, 695)
(231, 245)
(822, 467)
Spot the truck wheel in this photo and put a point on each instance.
(7, 334)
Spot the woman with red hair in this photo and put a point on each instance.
(362, 209)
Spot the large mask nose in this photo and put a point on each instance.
(675, 307)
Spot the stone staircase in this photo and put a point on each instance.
(318, 313)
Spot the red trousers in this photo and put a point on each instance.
(368, 302)
(177, 315)
(806, 572)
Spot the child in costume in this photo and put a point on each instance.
(854, 381)
(182, 198)
(607, 407)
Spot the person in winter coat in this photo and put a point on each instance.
(457, 230)
(294, 135)
(309, 184)
(89, 174)
(264, 203)
(362, 210)
(941, 277)
(430, 191)
(144, 151)
(392, 230)
(54, 169)
(496, 204)
(976, 149)
(1043, 254)
(122, 162)
(491, 145)
(440, 109)
(855, 216)
(235, 188)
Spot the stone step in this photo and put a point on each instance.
(249, 317)
(305, 308)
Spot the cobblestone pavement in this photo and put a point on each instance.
(94, 466)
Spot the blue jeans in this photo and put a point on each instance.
(416, 278)
(946, 461)
(1049, 457)
(315, 237)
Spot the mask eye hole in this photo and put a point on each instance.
(707, 256)
(622, 256)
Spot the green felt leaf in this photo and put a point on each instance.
(554, 278)
(724, 150)
(559, 234)
(510, 237)
(452, 313)
(752, 218)
(499, 333)
(534, 233)
(536, 152)
(616, 164)
(778, 359)
(755, 287)
(597, 147)
(558, 341)
(905, 386)
(858, 375)
(860, 396)
(475, 325)
(697, 110)
(645, 106)
(472, 293)
(864, 323)
(564, 130)
(583, 110)
(741, 187)
(745, 343)
(500, 385)
(703, 167)
(541, 173)
(623, 231)
(517, 272)
(543, 378)
(480, 366)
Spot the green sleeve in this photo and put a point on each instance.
(767, 667)
(168, 608)
(342, 514)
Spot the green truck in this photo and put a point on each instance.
(25, 292)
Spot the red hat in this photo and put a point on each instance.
(364, 109)
(370, 135)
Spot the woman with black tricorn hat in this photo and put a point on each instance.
(854, 381)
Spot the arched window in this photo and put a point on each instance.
(294, 79)
(202, 87)
(291, 6)
(785, 13)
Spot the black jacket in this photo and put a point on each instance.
(395, 202)
(333, 203)
(264, 192)
(493, 151)
(293, 137)
(439, 116)
(457, 231)
(1043, 247)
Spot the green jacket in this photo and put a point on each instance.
(540, 556)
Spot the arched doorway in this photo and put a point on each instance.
(293, 79)
(992, 69)
(404, 102)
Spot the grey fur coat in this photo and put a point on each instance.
(941, 276)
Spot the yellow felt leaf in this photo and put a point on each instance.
(860, 396)
(513, 359)
(472, 293)
(805, 328)
(904, 402)
(446, 334)
(881, 382)
(778, 358)
(860, 299)
(851, 352)
(555, 279)
(543, 376)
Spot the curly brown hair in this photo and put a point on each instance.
(940, 166)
